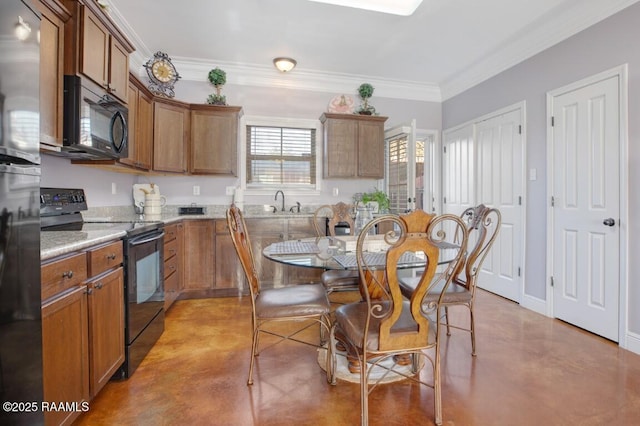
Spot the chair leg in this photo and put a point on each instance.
(437, 387)
(472, 328)
(364, 392)
(446, 320)
(254, 346)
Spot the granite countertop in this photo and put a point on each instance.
(56, 243)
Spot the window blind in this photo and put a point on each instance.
(397, 157)
(281, 156)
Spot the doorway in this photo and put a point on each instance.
(586, 183)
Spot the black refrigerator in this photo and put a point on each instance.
(20, 320)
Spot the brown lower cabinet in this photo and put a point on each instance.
(199, 261)
(173, 243)
(82, 326)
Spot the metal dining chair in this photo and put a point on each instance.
(483, 224)
(386, 327)
(305, 303)
(336, 279)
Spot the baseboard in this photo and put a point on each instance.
(534, 304)
(632, 342)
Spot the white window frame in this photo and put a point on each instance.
(279, 122)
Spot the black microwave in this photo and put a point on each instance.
(95, 123)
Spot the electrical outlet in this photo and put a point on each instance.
(335, 192)
(231, 190)
(196, 189)
(113, 188)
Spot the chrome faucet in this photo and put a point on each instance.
(276, 198)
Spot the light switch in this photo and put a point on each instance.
(196, 189)
(533, 174)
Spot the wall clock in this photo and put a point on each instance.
(162, 75)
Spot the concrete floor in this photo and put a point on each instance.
(530, 370)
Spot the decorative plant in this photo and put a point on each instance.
(379, 197)
(366, 91)
(218, 78)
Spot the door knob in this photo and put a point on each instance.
(609, 222)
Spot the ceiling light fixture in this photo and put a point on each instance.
(394, 7)
(284, 64)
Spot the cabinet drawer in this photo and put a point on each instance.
(170, 249)
(170, 266)
(63, 274)
(170, 232)
(105, 257)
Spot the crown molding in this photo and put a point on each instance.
(531, 41)
(528, 42)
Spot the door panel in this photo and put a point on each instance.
(499, 147)
(586, 188)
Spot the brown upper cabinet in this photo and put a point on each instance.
(353, 146)
(170, 136)
(54, 15)
(96, 48)
(140, 138)
(214, 139)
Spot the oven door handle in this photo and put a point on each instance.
(143, 239)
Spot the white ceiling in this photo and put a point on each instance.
(445, 47)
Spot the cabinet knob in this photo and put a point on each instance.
(67, 274)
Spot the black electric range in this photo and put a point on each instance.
(60, 210)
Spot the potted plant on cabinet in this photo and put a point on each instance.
(366, 91)
(218, 78)
(379, 197)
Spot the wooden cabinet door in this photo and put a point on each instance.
(140, 136)
(170, 134)
(132, 137)
(229, 272)
(118, 70)
(144, 131)
(214, 140)
(340, 148)
(65, 353)
(106, 327)
(199, 246)
(371, 149)
(94, 53)
(353, 146)
(51, 73)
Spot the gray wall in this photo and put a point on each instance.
(603, 46)
(256, 101)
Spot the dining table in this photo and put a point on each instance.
(334, 253)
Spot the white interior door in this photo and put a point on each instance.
(585, 149)
(458, 170)
(499, 184)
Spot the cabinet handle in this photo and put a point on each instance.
(282, 236)
(98, 286)
(172, 250)
(111, 256)
(68, 274)
(89, 291)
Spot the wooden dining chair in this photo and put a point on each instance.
(305, 303)
(483, 224)
(384, 329)
(336, 279)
